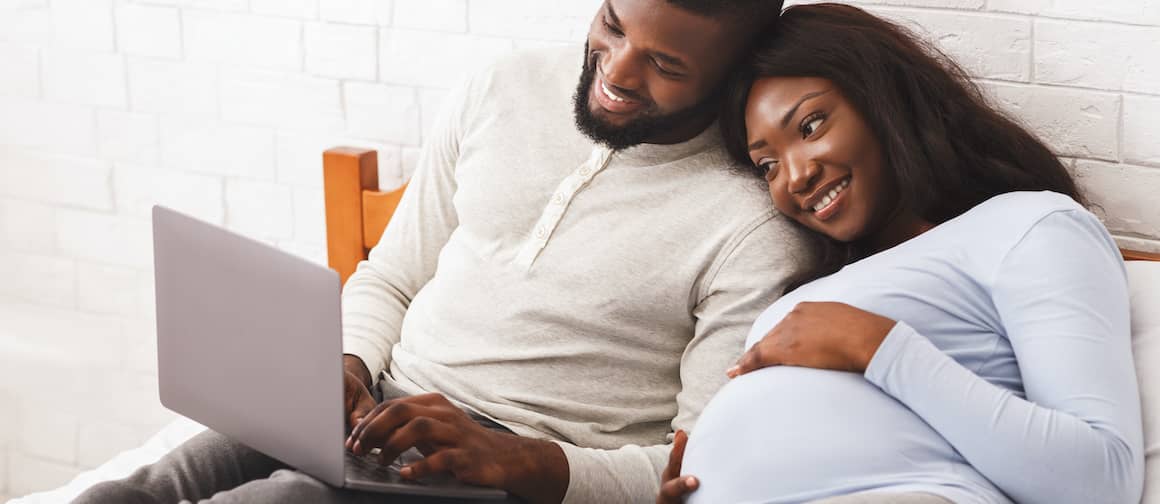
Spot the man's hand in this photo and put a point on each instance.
(453, 443)
(357, 397)
(827, 335)
(675, 487)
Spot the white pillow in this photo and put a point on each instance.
(1144, 285)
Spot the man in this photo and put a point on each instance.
(573, 265)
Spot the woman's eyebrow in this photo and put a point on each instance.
(789, 115)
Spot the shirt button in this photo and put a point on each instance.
(558, 199)
(541, 232)
(585, 171)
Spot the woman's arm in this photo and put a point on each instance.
(1077, 436)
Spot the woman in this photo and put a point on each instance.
(965, 336)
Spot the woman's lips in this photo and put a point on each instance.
(610, 101)
(835, 205)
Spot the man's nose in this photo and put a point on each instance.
(621, 68)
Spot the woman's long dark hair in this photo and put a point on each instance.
(949, 150)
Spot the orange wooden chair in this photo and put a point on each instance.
(357, 211)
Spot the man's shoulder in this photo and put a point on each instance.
(722, 183)
(730, 199)
(549, 58)
(531, 73)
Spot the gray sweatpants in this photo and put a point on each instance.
(211, 468)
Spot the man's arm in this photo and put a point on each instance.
(377, 295)
(355, 366)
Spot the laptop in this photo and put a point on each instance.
(249, 343)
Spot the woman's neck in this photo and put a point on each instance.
(900, 226)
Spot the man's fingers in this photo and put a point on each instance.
(361, 408)
(357, 407)
(673, 469)
(419, 431)
(381, 423)
(362, 425)
(440, 462)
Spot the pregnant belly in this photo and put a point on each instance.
(787, 434)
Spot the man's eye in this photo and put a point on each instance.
(614, 30)
(811, 124)
(665, 71)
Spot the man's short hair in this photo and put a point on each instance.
(765, 11)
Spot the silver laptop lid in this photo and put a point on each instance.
(249, 342)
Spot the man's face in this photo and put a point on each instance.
(650, 73)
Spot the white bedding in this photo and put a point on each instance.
(122, 464)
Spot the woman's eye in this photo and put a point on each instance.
(769, 168)
(811, 124)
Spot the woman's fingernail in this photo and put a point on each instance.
(406, 472)
(732, 371)
(691, 481)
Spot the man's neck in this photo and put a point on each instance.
(685, 132)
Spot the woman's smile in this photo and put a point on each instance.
(827, 200)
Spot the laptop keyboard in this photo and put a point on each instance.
(368, 468)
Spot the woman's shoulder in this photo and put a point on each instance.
(1042, 220)
(982, 237)
(1032, 205)
(1015, 213)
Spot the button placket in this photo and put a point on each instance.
(558, 204)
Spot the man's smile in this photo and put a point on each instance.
(611, 101)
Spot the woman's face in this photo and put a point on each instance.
(824, 165)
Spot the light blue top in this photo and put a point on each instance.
(1008, 377)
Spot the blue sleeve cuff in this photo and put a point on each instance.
(892, 346)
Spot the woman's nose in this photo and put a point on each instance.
(803, 173)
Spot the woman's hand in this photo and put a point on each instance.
(819, 335)
(675, 487)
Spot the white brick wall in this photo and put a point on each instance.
(22, 70)
(242, 39)
(84, 78)
(221, 108)
(149, 31)
(1141, 141)
(341, 51)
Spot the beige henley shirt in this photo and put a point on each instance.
(574, 294)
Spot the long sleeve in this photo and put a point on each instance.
(744, 283)
(1076, 437)
(377, 295)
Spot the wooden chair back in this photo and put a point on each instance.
(357, 212)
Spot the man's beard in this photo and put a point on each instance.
(636, 131)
